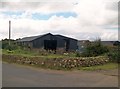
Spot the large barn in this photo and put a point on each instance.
(50, 41)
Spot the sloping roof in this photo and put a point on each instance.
(29, 38)
(59, 36)
(35, 37)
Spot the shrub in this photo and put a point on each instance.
(77, 54)
(12, 46)
(94, 49)
(114, 55)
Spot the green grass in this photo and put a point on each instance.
(108, 66)
(19, 52)
(32, 53)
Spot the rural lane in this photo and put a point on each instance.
(24, 76)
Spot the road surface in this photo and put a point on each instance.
(24, 76)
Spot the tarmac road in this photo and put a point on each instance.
(23, 76)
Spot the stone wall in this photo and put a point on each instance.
(57, 63)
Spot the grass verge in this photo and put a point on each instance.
(108, 66)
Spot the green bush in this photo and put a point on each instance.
(114, 55)
(11, 46)
(77, 54)
(94, 49)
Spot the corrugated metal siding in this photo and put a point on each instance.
(39, 43)
(61, 41)
(73, 45)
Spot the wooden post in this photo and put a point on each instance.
(9, 31)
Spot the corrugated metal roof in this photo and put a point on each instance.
(59, 36)
(29, 38)
(35, 37)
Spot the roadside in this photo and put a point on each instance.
(25, 76)
(110, 72)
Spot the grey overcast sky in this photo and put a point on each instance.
(80, 19)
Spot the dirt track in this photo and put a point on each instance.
(22, 76)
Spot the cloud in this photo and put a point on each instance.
(43, 7)
(92, 20)
(112, 6)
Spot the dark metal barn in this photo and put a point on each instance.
(50, 41)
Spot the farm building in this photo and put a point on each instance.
(50, 41)
(108, 43)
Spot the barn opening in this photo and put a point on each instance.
(67, 43)
(50, 44)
